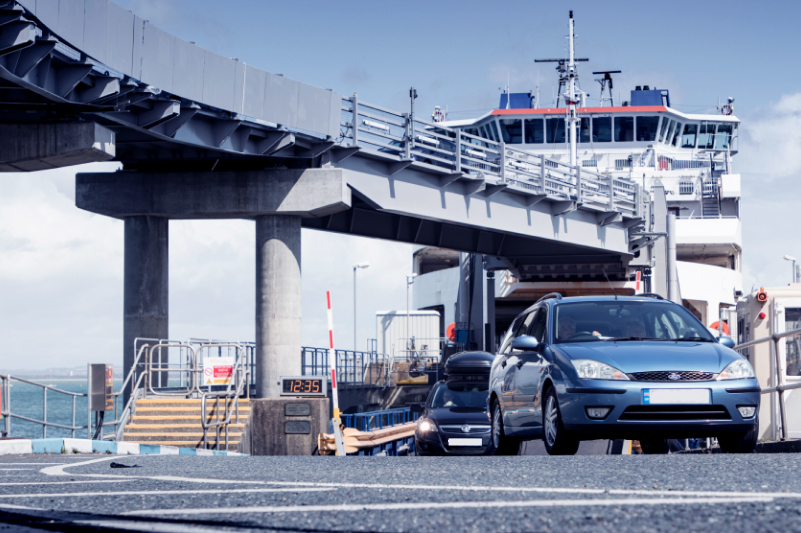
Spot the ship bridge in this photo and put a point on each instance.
(199, 136)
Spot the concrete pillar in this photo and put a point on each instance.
(489, 341)
(278, 306)
(145, 313)
(674, 292)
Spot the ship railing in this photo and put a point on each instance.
(355, 369)
(404, 140)
(778, 386)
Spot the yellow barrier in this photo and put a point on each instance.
(356, 440)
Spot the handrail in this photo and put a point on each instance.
(241, 380)
(366, 128)
(780, 386)
(5, 393)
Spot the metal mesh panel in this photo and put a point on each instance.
(664, 376)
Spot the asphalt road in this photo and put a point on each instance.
(619, 493)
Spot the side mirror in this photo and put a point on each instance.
(526, 343)
(417, 408)
(728, 342)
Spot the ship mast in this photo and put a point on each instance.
(572, 118)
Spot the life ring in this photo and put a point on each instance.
(437, 115)
(726, 109)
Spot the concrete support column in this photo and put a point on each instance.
(278, 306)
(489, 340)
(146, 297)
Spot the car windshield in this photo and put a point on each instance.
(473, 395)
(621, 320)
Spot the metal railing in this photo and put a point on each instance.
(379, 419)
(8, 414)
(404, 140)
(779, 385)
(354, 369)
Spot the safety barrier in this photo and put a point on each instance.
(428, 145)
(354, 369)
(379, 419)
(393, 440)
(779, 386)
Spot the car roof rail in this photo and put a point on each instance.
(549, 296)
(652, 295)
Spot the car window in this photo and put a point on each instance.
(538, 327)
(510, 334)
(472, 395)
(626, 320)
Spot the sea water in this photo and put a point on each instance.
(27, 400)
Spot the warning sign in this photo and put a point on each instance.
(218, 370)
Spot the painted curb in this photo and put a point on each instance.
(86, 446)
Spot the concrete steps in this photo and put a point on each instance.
(176, 422)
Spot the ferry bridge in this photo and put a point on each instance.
(201, 136)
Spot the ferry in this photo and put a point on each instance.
(688, 157)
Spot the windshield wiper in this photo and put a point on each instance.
(635, 339)
(693, 339)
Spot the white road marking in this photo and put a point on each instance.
(23, 507)
(34, 464)
(446, 505)
(154, 492)
(84, 482)
(155, 527)
(15, 469)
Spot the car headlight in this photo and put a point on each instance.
(739, 369)
(589, 369)
(426, 425)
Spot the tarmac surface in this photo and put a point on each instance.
(620, 493)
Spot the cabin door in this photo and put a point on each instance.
(787, 313)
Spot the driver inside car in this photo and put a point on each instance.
(567, 329)
(634, 329)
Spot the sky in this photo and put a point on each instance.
(61, 268)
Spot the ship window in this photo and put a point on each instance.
(646, 128)
(602, 129)
(624, 129)
(689, 135)
(663, 129)
(556, 130)
(669, 131)
(534, 133)
(706, 137)
(493, 129)
(723, 137)
(584, 130)
(674, 138)
(483, 130)
(512, 130)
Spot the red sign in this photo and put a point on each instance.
(223, 371)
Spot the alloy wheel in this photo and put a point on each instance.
(550, 420)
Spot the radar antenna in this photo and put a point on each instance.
(606, 84)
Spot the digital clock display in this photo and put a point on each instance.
(303, 386)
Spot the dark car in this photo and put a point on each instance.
(639, 368)
(454, 419)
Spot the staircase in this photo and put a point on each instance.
(176, 422)
(711, 202)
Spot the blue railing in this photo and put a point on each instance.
(379, 419)
(354, 369)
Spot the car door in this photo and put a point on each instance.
(510, 364)
(527, 377)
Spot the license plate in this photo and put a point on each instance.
(676, 396)
(464, 442)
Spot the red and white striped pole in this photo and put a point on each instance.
(333, 364)
(637, 287)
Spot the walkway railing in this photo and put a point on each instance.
(779, 386)
(354, 369)
(379, 419)
(406, 140)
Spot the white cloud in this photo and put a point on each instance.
(770, 140)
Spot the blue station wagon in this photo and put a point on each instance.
(640, 368)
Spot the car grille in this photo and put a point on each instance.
(663, 376)
(675, 412)
(473, 429)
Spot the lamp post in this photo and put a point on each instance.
(409, 283)
(355, 268)
(791, 258)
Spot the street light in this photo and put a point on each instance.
(409, 283)
(791, 258)
(355, 268)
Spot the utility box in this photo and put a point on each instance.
(101, 387)
(395, 331)
(284, 426)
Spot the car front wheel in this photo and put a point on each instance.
(501, 444)
(557, 440)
